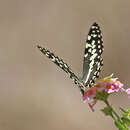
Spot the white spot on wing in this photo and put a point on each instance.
(90, 70)
(93, 42)
(86, 55)
(89, 37)
(93, 27)
(98, 41)
(53, 59)
(99, 36)
(65, 65)
(94, 35)
(98, 57)
(88, 45)
(93, 56)
(90, 50)
(100, 50)
(99, 46)
(93, 51)
(93, 46)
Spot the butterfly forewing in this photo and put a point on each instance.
(92, 57)
(59, 62)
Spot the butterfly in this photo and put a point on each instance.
(92, 59)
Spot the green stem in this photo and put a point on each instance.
(118, 120)
(113, 111)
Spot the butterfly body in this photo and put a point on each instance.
(92, 59)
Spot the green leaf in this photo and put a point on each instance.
(124, 111)
(120, 125)
(125, 117)
(107, 111)
(126, 121)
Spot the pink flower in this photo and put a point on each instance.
(90, 93)
(122, 89)
(108, 84)
(91, 105)
(89, 97)
(128, 92)
(109, 88)
(114, 86)
(118, 83)
(85, 98)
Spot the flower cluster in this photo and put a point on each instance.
(102, 89)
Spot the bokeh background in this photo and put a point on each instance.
(34, 93)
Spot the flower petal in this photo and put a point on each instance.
(91, 106)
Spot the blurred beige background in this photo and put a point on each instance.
(34, 93)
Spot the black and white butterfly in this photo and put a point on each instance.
(92, 59)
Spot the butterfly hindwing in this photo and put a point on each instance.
(92, 57)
